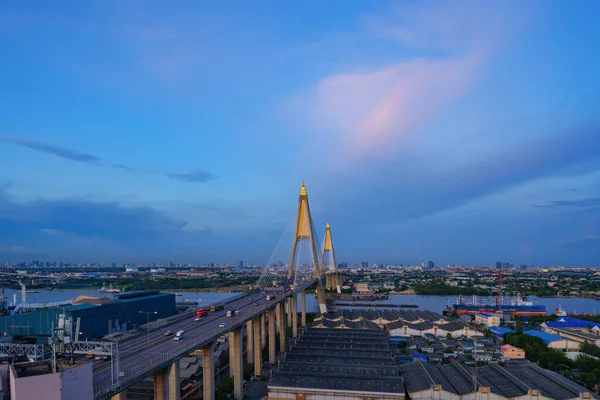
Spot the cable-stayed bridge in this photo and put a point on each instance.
(261, 315)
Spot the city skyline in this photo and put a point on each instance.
(463, 133)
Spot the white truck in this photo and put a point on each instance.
(178, 336)
(269, 297)
(228, 313)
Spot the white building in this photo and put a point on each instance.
(488, 319)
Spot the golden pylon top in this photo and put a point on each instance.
(327, 226)
(303, 190)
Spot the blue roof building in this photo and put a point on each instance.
(419, 356)
(571, 323)
(500, 331)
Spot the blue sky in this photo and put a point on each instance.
(459, 132)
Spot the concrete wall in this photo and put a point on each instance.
(47, 387)
(77, 383)
(73, 384)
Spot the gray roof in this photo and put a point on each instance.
(514, 380)
(347, 360)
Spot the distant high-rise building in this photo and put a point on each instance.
(364, 264)
(241, 264)
(498, 265)
(506, 265)
(430, 264)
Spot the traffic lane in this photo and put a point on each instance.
(153, 351)
(141, 341)
(187, 325)
(247, 311)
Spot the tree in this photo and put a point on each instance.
(448, 336)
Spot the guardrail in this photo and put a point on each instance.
(155, 364)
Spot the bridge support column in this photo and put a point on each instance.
(257, 347)
(281, 324)
(249, 342)
(160, 389)
(235, 344)
(294, 316)
(263, 331)
(277, 307)
(303, 309)
(120, 396)
(289, 312)
(208, 372)
(271, 336)
(174, 390)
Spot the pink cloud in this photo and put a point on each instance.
(371, 113)
(374, 111)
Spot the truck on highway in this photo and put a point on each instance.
(269, 297)
(178, 336)
(216, 307)
(201, 312)
(229, 313)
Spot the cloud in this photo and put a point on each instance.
(364, 112)
(52, 150)
(195, 176)
(582, 203)
(581, 240)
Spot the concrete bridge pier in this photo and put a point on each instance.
(236, 361)
(289, 311)
(249, 343)
(160, 387)
(277, 307)
(271, 336)
(120, 396)
(208, 372)
(294, 300)
(303, 309)
(174, 391)
(281, 323)
(257, 347)
(263, 331)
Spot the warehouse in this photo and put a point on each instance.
(98, 316)
(554, 341)
(338, 364)
(518, 380)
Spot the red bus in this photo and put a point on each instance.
(201, 312)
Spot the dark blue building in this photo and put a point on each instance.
(99, 316)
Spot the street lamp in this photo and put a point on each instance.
(148, 319)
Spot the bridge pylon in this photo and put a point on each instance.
(305, 232)
(329, 253)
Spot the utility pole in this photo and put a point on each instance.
(148, 321)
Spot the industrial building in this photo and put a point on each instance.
(554, 341)
(518, 380)
(98, 316)
(338, 364)
(399, 323)
(574, 329)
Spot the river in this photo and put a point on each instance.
(429, 302)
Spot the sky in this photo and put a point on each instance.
(463, 132)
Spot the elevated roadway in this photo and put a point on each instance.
(144, 355)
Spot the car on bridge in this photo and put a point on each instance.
(255, 303)
(168, 333)
(198, 319)
(222, 325)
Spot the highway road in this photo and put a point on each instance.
(137, 352)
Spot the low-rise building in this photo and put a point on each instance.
(516, 381)
(512, 352)
(362, 288)
(488, 319)
(554, 341)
